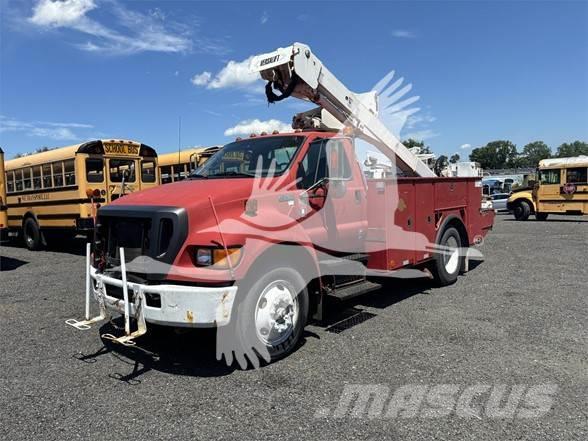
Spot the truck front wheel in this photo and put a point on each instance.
(448, 261)
(272, 316)
(522, 210)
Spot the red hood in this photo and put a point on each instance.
(190, 193)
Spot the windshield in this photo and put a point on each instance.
(241, 158)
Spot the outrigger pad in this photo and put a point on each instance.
(126, 340)
(82, 325)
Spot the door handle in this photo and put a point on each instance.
(358, 196)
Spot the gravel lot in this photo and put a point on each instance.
(518, 318)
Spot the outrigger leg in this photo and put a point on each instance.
(138, 301)
(85, 324)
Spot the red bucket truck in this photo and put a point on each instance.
(274, 224)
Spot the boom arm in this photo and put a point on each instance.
(296, 71)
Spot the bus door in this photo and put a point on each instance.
(547, 192)
(122, 177)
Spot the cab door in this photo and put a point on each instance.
(121, 177)
(332, 185)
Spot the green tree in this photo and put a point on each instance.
(440, 164)
(533, 153)
(495, 154)
(410, 143)
(575, 148)
(454, 158)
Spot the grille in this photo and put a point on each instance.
(157, 233)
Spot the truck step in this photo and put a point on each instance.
(354, 290)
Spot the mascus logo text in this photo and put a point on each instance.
(269, 60)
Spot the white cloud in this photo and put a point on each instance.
(465, 146)
(233, 74)
(264, 18)
(59, 133)
(419, 119)
(201, 79)
(420, 135)
(43, 129)
(256, 126)
(403, 33)
(136, 32)
(61, 13)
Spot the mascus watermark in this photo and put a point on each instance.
(378, 401)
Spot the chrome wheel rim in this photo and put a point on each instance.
(451, 255)
(276, 312)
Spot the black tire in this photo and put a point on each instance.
(247, 333)
(541, 216)
(522, 210)
(31, 234)
(445, 269)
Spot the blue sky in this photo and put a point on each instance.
(83, 69)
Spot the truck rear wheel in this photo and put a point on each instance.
(31, 232)
(272, 316)
(541, 216)
(522, 210)
(449, 261)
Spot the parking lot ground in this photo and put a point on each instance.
(517, 319)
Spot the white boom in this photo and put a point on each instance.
(296, 71)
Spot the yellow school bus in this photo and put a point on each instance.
(60, 190)
(562, 188)
(176, 166)
(3, 216)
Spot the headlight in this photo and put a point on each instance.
(216, 257)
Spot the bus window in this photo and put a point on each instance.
(549, 176)
(58, 174)
(148, 171)
(94, 170)
(166, 176)
(577, 175)
(70, 173)
(18, 180)
(37, 177)
(9, 182)
(118, 167)
(178, 172)
(47, 181)
(26, 172)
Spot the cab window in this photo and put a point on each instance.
(120, 168)
(322, 160)
(313, 166)
(148, 171)
(577, 175)
(549, 176)
(94, 170)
